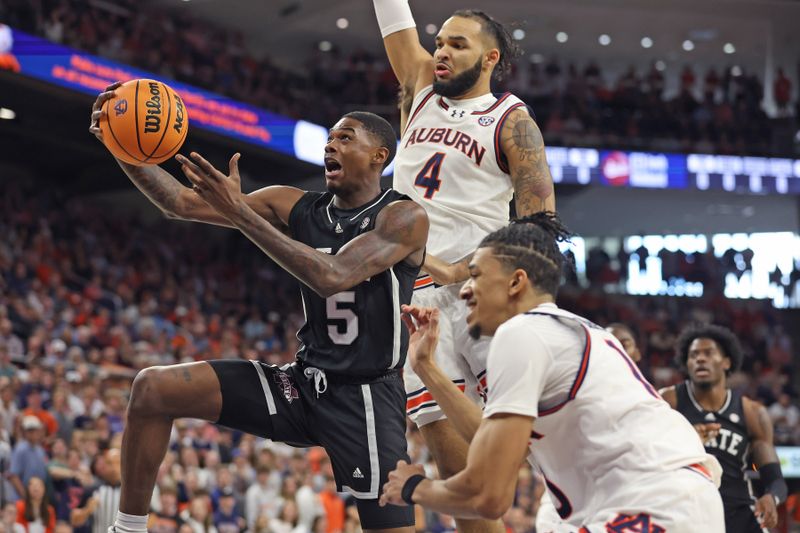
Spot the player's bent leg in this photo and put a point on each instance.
(160, 395)
(449, 451)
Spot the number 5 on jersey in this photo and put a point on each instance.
(428, 177)
(335, 332)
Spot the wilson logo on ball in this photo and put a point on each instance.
(152, 122)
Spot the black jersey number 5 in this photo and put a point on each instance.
(345, 330)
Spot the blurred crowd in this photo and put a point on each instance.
(88, 297)
(717, 111)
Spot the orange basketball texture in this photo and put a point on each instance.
(145, 123)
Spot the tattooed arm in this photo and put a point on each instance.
(401, 230)
(523, 146)
(177, 201)
(180, 202)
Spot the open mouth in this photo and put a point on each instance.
(332, 167)
(441, 70)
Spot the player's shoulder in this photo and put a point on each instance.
(521, 325)
(670, 395)
(402, 212)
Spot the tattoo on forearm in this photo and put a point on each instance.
(530, 174)
(156, 184)
(317, 269)
(187, 376)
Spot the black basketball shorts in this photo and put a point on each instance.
(361, 425)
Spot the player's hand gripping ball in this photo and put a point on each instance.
(144, 122)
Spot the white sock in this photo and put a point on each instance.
(130, 523)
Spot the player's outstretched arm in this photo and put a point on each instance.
(176, 200)
(445, 273)
(401, 231)
(423, 328)
(759, 425)
(483, 489)
(411, 63)
(523, 147)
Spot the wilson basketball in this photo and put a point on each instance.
(145, 123)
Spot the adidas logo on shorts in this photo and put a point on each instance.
(357, 473)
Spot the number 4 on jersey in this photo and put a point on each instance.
(428, 177)
(640, 523)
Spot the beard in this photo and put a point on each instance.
(475, 332)
(460, 83)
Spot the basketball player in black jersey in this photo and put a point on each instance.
(357, 251)
(735, 429)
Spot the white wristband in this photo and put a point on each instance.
(393, 16)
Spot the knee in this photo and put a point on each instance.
(145, 393)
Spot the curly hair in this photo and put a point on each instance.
(531, 243)
(500, 34)
(725, 339)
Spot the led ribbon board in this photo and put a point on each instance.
(66, 67)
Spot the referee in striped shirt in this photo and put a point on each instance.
(98, 510)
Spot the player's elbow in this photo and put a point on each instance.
(491, 506)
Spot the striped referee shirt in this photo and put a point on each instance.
(107, 506)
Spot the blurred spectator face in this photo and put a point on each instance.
(5, 327)
(784, 399)
(33, 434)
(36, 489)
(227, 503)
(114, 466)
(74, 459)
(224, 477)
(59, 449)
(211, 459)
(9, 513)
(34, 399)
(199, 509)
(706, 363)
(169, 502)
(628, 342)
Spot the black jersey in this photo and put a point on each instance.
(357, 331)
(731, 447)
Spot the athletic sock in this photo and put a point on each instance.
(129, 523)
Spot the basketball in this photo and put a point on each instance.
(145, 123)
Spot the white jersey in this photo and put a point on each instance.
(600, 428)
(450, 162)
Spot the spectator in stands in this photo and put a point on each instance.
(785, 419)
(28, 459)
(34, 512)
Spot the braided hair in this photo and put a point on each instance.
(500, 34)
(531, 243)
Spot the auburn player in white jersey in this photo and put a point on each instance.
(463, 153)
(615, 456)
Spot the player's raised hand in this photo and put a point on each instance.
(393, 488)
(423, 327)
(97, 109)
(766, 511)
(223, 193)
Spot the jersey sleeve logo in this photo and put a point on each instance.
(486, 121)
